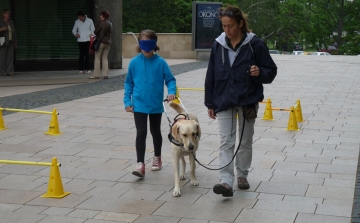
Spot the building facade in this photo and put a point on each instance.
(43, 28)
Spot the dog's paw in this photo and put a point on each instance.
(177, 193)
(182, 177)
(194, 183)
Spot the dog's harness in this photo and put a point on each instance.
(170, 136)
(177, 118)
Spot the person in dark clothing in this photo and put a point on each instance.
(8, 43)
(103, 33)
(239, 64)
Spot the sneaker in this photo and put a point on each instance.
(81, 72)
(88, 72)
(224, 189)
(106, 77)
(243, 183)
(140, 170)
(93, 77)
(156, 165)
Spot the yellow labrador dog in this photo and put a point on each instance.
(186, 134)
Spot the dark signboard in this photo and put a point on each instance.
(206, 26)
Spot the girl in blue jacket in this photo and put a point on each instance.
(143, 96)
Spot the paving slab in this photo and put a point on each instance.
(115, 216)
(223, 210)
(259, 216)
(156, 219)
(316, 218)
(285, 206)
(308, 175)
(17, 196)
(78, 213)
(21, 218)
(283, 188)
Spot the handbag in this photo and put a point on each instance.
(2, 41)
(91, 47)
(96, 44)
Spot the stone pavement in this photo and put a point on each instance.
(296, 176)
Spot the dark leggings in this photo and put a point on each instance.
(141, 132)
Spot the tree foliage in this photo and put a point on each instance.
(163, 16)
(261, 16)
(315, 22)
(319, 22)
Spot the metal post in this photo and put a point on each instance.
(136, 40)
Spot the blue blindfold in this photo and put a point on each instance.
(147, 45)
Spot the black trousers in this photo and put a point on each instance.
(141, 133)
(84, 55)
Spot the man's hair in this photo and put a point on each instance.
(80, 13)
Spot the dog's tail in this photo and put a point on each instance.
(177, 107)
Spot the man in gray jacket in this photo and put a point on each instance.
(83, 30)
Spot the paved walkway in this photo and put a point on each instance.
(296, 176)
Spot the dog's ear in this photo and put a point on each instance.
(175, 131)
(199, 130)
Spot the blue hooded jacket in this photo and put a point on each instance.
(227, 76)
(144, 84)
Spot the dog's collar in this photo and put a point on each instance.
(174, 141)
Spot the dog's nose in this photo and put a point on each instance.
(191, 147)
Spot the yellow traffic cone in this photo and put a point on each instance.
(268, 111)
(298, 112)
(176, 100)
(2, 124)
(55, 187)
(292, 124)
(54, 125)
